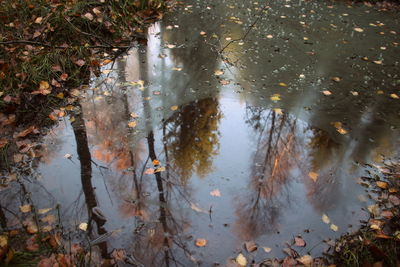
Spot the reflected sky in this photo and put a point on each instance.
(169, 123)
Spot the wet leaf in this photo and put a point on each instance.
(374, 209)
(25, 208)
(119, 254)
(176, 69)
(224, 82)
(132, 124)
(267, 249)
(307, 260)
(31, 129)
(173, 108)
(382, 185)
(149, 171)
(197, 208)
(50, 219)
(200, 242)
(283, 84)
(241, 260)
(394, 96)
(156, 162)
(334, 227)
(336, 79)
(325, 219)
(378, 62)
(278, 111)
(134, 115)
(218, 72)
(32, 244)
(250, 246)
(269, 36)
(215, 193)
(298, 241)
(159, 169)
(326, 92)
(67, 156)
(313, 176)
(89, 16)
(3, 241)
(80, 62)
(83, 226)
(203, 33)
(357, 29)
(275, 97)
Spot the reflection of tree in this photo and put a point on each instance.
(86, 177)
(192, 137)
(273, 160)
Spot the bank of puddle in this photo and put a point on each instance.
(175, 143)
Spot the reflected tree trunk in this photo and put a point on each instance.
(86, 178)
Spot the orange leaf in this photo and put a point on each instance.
(200, 242)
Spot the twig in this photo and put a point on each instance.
(248, 30)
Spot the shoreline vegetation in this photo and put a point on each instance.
(48, 50)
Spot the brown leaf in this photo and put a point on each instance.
(119, 254)
(25, 208)
(31, 129)
(32, 244)
(250, 246)
(200, 242)
(3, 143)
(382, 185)
(80, 62)
(298, 241)
(313, 176)
(149, 171)
(64, 76)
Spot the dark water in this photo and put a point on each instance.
(255, 143)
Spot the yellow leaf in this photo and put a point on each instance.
(275, 97)
(358, 29)
(44, 211)
(307, 260)
(132, 124)
(394, 96)
(241, 260)
(174, 107)
(334, 227)
(267, 249)
(325, 219)
(218, 72)
(215, 193)
(3, 241)
(278, 111)
(160, 169)
(313, 176)
(382, 185)
(25, 208)
(200, 242)
(83, 226)
(283, 84)
(43, 85)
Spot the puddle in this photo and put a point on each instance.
(176, 141)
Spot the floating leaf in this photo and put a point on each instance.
(298, 241)
(283, 84)
(197, 208)
(201, 242)
(215, 193)
(250, 246)
(160, 169)
(326, 92)
(67, 156)
(278, 111)
(83, 226)
(275, 97)
(313, 176)
(325, 218)
(132, 124)
(357, 29)
(174, 108)
(149, 171)
(267, 249)
(334, 227)
(382, 185)
(156, 162)
(25, 208)
(241, 260)
(218, 72)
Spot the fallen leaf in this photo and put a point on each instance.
(313, 176)
(382, 185)
(394, 96)
(203, 33)
(336, 79)
(241, 260)
(160, 169)
(269, 36)
(80, 62)
(283, 84)
(174, 108)
(149, 171)
(176, 69)
(325, 218)
(334, 227)
(156, 162)
(134, 115)
(200, 242)
(374, 209)
(224, 82)
(378, 62)
(50, 219)
(218, 72)
(119, 254)
(31, 244)
(171, 46)
(215, 193)
(3, 241)
(275, 97)
(83, 226)
(44, 211)
(132, 124)
(307, 260)
(250, 246)
(197, 208)
(89, 16)
(67, 156)
(357, 29)
(267, 249)
(25, 208)
(298, 241)
(326, 92)
(38, 20)
(278, 111)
